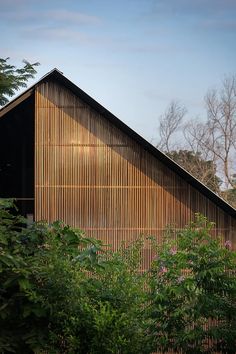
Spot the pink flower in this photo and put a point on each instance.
(163, 270)
(173, 251)
(228, 244)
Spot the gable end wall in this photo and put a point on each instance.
(93, 176)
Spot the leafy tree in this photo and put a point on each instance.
(13, 78)
(32, 263)
(230, 196)
(193, 293)
(58, 295)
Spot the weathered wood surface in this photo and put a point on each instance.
(94, 176)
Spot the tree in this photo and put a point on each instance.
(193, 292)
(169, 124)
(230, 196)
(13, 78)
(213, 140)
(217, 136)
(203, 170)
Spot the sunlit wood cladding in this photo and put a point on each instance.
(94, 176)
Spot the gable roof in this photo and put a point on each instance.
(55, 74)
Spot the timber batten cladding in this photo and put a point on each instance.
(95, 173)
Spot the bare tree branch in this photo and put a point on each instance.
(169, 124)
(212, 141)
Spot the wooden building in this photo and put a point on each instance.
(64, 156)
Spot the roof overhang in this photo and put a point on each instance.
(7, 108)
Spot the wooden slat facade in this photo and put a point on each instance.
(96, 177)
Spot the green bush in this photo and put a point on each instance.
(61, 292)
(193, 292)
(58, 295)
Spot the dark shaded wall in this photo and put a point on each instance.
(17, 155)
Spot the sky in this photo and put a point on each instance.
(132, 56)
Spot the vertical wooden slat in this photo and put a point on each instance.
(95, 177)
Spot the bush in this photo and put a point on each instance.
(61, 292)
(58, 295)
(193, 292)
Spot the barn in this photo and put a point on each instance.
(64, 156)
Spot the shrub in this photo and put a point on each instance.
(58, 295)
(193, 292)
(61, 292)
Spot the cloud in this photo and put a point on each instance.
(60, 16)
(8, 4)
(195, 7)
(75, 17)
(218, 24)
(193, 14)
(155, 48)
(56, 33)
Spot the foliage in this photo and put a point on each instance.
(58, 295)
(12, 78)
(230, 196)
(193, 292)
(193, 162)
(105, 313)
(63, 293)
(28, 260)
